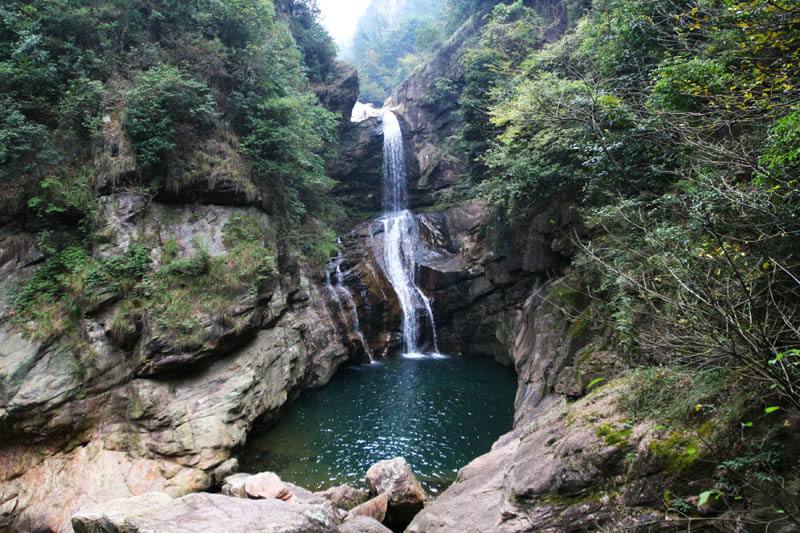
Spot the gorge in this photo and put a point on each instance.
(550, 284)
(438, 413)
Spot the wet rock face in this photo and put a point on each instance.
(376, 303)
(476, 271)
(359, 166)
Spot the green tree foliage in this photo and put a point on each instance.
(172, 71)
(69, 196)
(80, 108)
(674, 124)
(287, 142)
(319, 51)
(21, 140)
(512, 32)
(162, 99)
(781, 155)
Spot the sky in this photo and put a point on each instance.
(341, 16)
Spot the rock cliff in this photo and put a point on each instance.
(153, 413)
(115, 397)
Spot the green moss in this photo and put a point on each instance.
(579, 326)
(678, 451)
(565, 295)
(680, 395)
(614, 435)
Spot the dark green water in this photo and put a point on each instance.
(438, 413)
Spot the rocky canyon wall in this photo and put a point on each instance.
(117, 401)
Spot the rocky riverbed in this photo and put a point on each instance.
(263, 502)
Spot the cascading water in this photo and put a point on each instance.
(401, 238)
(344, 299)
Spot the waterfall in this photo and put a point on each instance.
(344, 299)
(401, 239)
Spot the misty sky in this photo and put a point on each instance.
(341, 16)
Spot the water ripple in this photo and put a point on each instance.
(437, 412)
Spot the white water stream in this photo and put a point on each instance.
(344, 299)
(401, 240)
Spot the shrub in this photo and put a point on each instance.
(289, 143)
(68, 196)
(781, 154)
(81, 106)
(686, 85)
(23, 142)
(163, 98)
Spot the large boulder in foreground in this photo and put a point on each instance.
(394, 478)
(202, 513)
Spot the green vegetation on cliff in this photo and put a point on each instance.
(674, 125)
(175, 74)
(173, 101)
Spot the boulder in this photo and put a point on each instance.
(363, 524)
(234, 485)
(344, 496)
(302, 495)
(374, 508)
(225, 470)
(202, 513)
(395, 478)
(406, 496)
(112, 515)
(266, 486)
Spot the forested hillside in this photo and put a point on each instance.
(673, 126)
(167, 100)
(169, 76)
